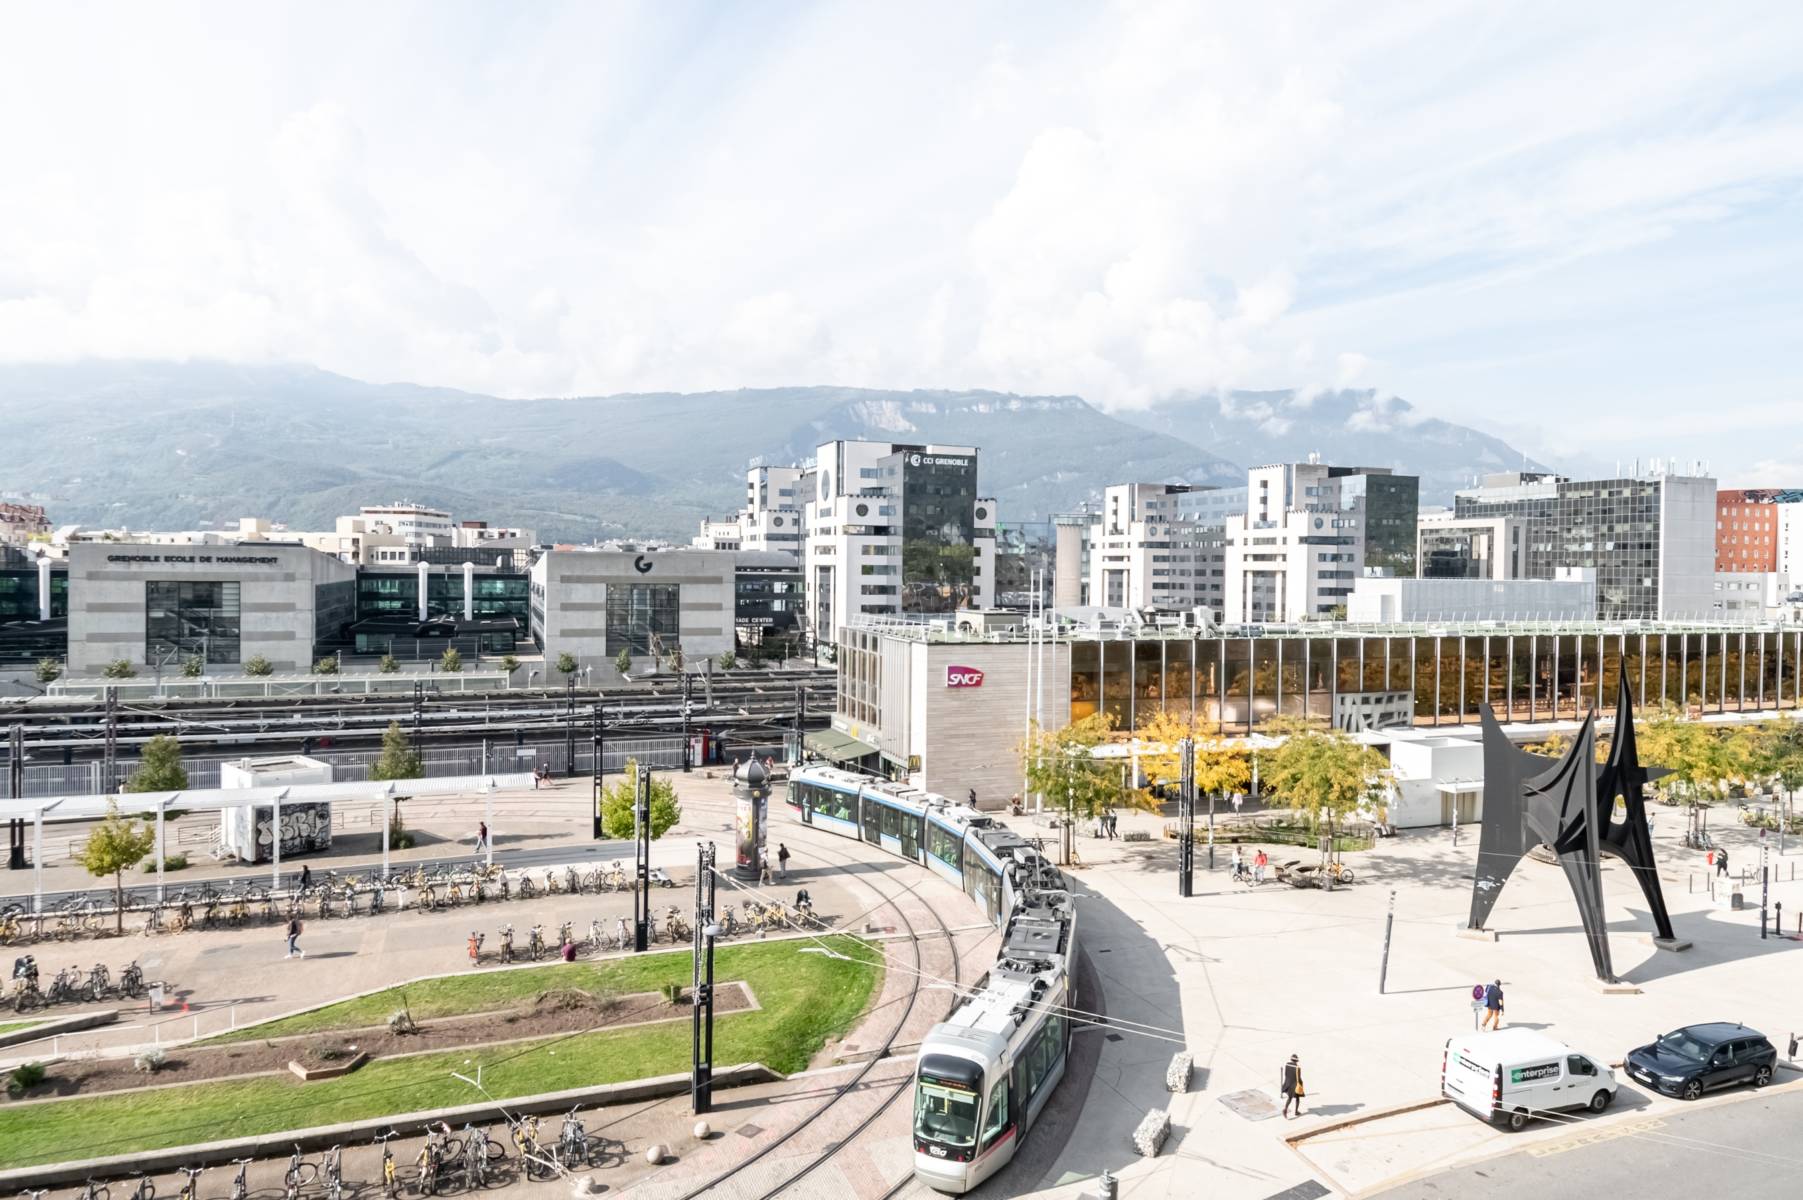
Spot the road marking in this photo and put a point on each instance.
(1596, 1136)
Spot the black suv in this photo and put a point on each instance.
(1698, 1058)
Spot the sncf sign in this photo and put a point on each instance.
(963, 677)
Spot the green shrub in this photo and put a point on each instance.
(24, 1077)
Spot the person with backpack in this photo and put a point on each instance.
(294, 932)
(782, 861)
(1290, 1084)
(1493, 1006)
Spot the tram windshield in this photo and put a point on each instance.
(946, 1115)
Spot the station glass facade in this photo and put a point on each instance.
(1239, 682)
(643, 618)
(191, 618)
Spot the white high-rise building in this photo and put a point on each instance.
(893, 529)
(415, 524)
(1148, 553)
(1295, 552)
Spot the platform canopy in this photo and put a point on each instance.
(89, 807)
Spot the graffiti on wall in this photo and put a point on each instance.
(306, 829)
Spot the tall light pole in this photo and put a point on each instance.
(701, 1084)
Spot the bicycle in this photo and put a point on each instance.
(100, 983)
(94, 1191)
(390, 1187)
(188, 1190)
(299, 1174)
(333, 1172)
(65, 987)
(146, 1189)
(240, 1188)
(674, 926)
(572, 1141)
(535, 943)
(131, 980)
(507, 955)
(563, 933)
(477, 1150)
(525, 1140)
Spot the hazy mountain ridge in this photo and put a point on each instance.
(194, 445)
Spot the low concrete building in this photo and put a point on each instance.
(1437, 780)
(156, 606)
(594, 604)
(1571, 597)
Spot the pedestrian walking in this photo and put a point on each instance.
(1493, 1006)
(763, 867)
(306, 879)
(1721, 862)
(481, 836)
(1238, 799)
(1239, 864)
(973, 797)
(1114, 824)
(1259, 863)
(782, 861)
(1290, 1084)
(294, 932)
(475, 948)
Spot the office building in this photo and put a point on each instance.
(717, 534)
(1145, 553)
(1071, 535)
(893, 530)
(1746, 529)
(596, 603)
(1294, 553)
(1790, 537)
(1650, 539)
(415, 524)
(1451, 547)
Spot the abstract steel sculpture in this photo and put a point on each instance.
(1569, 806)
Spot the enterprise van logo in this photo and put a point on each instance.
(963, 677)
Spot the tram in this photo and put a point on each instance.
(985, 1073)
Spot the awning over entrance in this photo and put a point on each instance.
(837, 747)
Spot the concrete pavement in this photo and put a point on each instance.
(1247, 978)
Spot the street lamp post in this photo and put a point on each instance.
(701, 1084)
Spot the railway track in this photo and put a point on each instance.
(795, 1173)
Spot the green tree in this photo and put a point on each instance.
(114, 847)
(1325, 775)
(49, 670)
(1221, 766)
(327, 665)
(566, 663)
(389, 665)
(510, 663)
(193, 667)
(623, 662)
(1062, 767)
(728, 660)
(617, 801)
(257, 665)
(119, 668)
(159, 767)
(451, 660)
(1700, 762)
(399, 760)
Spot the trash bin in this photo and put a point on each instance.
(156, 997)
(1737, 901)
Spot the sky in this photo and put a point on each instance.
(1577, 226)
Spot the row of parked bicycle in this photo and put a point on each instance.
(446, 1161)
(752, 917)
(71, 985)
(209, 906)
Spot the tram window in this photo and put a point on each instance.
(829, 803)
(1042, 1054)
(943, 846)
(873, 821)
(893, 818)
(992, 892)
(996, 1116)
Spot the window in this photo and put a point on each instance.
(996, 1118)
(873, 822)
(944, 846)
(639, 613)
(1577, 1064)
(181, 619)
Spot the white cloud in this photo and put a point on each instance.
(1526, 211)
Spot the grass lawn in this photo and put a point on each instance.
(10, 1026)
(806, 999)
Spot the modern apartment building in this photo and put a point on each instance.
(1146, 553)
(893, 529)
(1650, 539)
(1295, 552)
(1452, 547)
(415, 524)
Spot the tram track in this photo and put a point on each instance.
(846, 1090)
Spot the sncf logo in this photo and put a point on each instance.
(963, 677)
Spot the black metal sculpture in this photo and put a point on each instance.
(1569, 806)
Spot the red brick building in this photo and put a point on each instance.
(1746, 530)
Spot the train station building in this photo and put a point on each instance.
(948, 704)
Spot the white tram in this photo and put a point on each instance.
(985, 1073)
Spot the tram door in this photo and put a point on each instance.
(910, 837)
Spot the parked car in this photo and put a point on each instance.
(1700, 1058)
(1510, 1076)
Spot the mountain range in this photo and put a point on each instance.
(198, 445)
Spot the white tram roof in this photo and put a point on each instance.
(1036, 953)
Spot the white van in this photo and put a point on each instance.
(1508, 1076)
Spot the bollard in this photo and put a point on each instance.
(1108, 1186)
